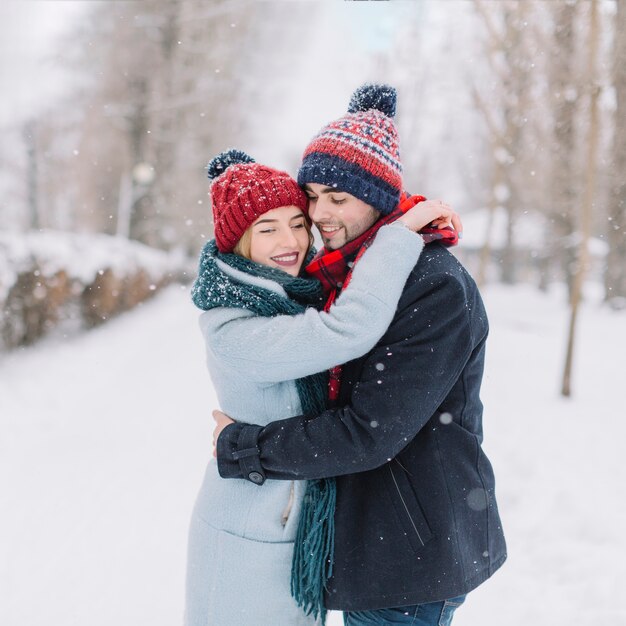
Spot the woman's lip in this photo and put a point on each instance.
(279, 260)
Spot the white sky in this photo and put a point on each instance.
(29, 72)
(30, 50)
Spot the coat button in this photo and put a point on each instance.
(256, 477)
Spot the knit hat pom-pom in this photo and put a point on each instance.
(379, 97)
(217, 166)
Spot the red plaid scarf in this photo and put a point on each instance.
(334, 268)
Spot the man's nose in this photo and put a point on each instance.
(316, 210)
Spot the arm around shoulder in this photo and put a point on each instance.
(274, 349)
(422, 355)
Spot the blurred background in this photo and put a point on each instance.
(513, 111)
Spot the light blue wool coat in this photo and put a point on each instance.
(241, 534)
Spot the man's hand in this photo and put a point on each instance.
(222, 420)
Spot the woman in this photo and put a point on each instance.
(266, 345)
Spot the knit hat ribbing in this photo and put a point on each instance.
(358, 153)
(242, 191)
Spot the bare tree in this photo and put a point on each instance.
(563, 77)
(506, 116)
(30, 139)
(160, 93)
(615, 273)
(593, 89)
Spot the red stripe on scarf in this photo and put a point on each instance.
(334, 269)
(331, 266)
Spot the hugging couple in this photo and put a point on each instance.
(348, 471)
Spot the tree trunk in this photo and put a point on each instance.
(32, 179)
(486, 249)
(615, 273)
(515, 108)
(587, 207)
(564, 89)
(506, 116)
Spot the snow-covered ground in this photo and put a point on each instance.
(103, 440)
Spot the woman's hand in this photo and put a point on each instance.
(434, 212)
(222, 421)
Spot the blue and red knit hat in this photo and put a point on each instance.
(359, 153)
(242, 191)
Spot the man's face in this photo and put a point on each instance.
(339, 216)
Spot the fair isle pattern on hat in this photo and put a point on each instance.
(359, 152)
(242, 191)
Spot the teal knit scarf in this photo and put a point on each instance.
(314, 546)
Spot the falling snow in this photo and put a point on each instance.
(105, 437)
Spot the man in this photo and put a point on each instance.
(416, 521)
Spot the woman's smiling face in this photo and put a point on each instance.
(280, 238)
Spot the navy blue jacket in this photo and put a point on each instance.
(416, 518)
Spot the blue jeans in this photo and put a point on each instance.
(431, 614)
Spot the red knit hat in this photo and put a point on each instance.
(243, 190)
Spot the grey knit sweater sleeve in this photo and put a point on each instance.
(286, 347)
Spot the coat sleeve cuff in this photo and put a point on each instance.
(238, 453)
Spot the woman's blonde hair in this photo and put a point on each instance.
(244, 245)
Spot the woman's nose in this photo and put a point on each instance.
(288, 238)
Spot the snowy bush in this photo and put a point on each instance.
(56, 279)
